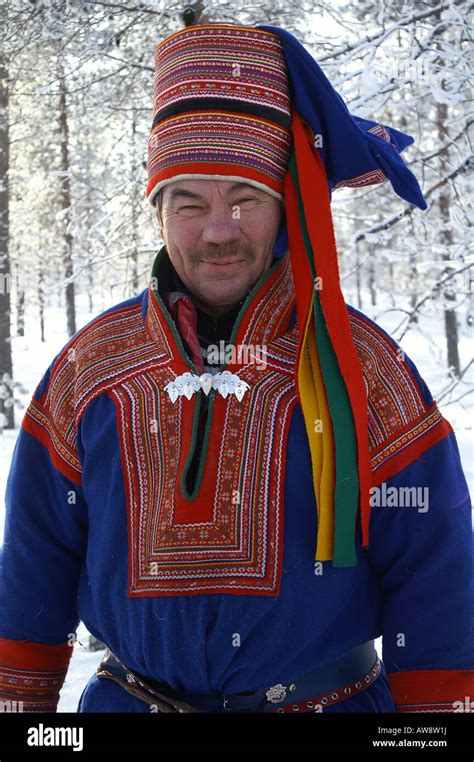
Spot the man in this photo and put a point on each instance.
(199, 468)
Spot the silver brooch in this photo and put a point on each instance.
(276, 693)
(224, 383)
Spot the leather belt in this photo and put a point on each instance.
(328, 684)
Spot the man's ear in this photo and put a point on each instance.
(160, 224)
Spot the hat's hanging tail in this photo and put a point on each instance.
(330, 384)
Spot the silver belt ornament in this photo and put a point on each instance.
(224, 383)
(276, 693)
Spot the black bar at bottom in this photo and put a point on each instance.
(86, 736)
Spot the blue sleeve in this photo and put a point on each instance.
(421, 547)
(43, 548)
(41, 559)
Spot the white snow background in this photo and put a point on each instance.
(31, 358)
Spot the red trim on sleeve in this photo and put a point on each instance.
(405, 447)
(26, 655)
(432, 690)
(42, 432)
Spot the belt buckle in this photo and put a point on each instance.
(276, 693)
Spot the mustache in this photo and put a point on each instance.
(226, 251)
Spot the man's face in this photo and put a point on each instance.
(219, 235)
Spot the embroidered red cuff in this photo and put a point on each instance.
(32, 674)
(433, 690)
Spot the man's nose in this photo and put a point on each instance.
(220, 226)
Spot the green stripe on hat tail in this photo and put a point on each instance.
(346, 497)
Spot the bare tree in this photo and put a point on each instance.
(65, 193)
(6, 368)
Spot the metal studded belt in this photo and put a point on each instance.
(318, 703)
(326, 685)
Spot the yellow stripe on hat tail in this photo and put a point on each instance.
(320, 436)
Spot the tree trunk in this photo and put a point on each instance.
(20, 307)
(358, 279)
(90, 281)
(446, 235)
(6, 365)
(413, 257)
(446, 238)
(414, 291)
(134, 202)
(391, 284)
(372, 288)
(66, 203)
(41, 300)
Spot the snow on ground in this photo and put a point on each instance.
(83, 665)
(32, 357)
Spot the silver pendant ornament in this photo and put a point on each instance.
(224, 383)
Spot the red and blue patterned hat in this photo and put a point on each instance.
(221, 108)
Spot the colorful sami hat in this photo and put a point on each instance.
(249, 103)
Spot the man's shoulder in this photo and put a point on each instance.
(85, 367)
(397, 394)
(99, 341)
(114, 316)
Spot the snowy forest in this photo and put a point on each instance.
(77, 234)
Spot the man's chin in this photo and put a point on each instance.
(220, 301)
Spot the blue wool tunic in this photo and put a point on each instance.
(67, 555)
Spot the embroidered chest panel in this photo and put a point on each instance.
(226, 536)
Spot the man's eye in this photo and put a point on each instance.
(242, 200)
(190, 210)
